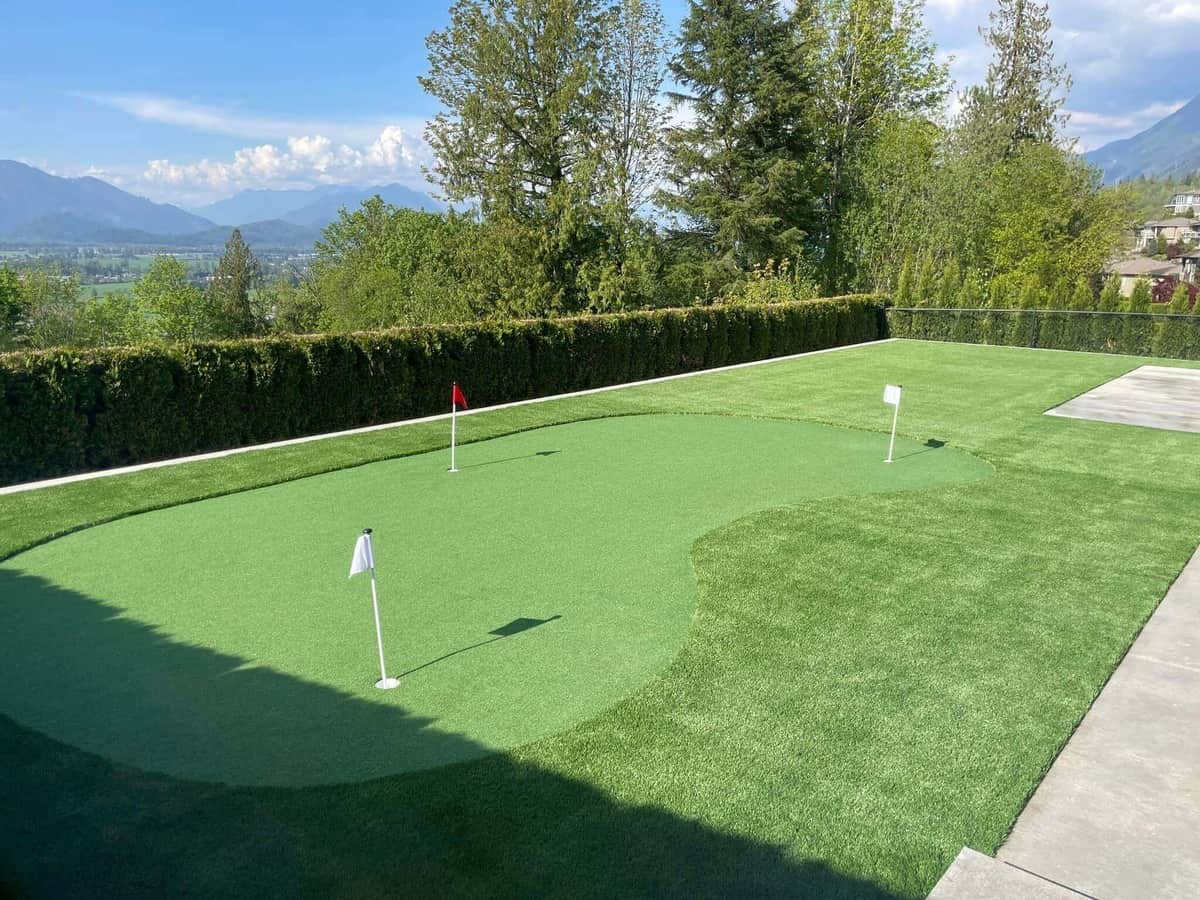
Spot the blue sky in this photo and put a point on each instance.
(192, 102)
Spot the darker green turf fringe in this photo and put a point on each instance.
(65, 411)
(1133, 334)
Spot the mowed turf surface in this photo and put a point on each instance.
(869, 681)
(537, 586)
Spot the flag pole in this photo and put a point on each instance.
(453, 427)
(895, 418)
(384, 683)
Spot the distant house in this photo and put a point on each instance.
(1153, 270)
(1178, 230)
(1189, 262)
(1185, 200)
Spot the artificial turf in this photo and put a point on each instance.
(869, 681)
(534, 588)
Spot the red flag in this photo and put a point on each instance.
(457, 398)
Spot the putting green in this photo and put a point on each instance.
(222, 640)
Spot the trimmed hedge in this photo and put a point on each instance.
(1136, 334)
(65, 411)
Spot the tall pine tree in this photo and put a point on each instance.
(742, 171)
(231, 291)
(1022, 97)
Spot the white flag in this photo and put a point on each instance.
(364, 557)
(891, 394)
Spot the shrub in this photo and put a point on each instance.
(64, 411)
(1181, 299)
(1082, 297)
(1139, 300)
(1110, 295)
(1138, 335)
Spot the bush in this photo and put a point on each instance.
(1139, 335)
(64, 411)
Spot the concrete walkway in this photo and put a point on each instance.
(1150, 396)
(1118, 814)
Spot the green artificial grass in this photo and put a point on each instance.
(580, 531)
(870, 680)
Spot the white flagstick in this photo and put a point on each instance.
(364, 560)
(453, 430)
(891, 394)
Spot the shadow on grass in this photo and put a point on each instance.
(508, 459)
(516, 626)
(75, 824)
(931, 444)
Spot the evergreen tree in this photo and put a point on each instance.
(1110, 296)
(1031, 295)
(1022, 97)
(742, 175)
(903, 296)
(1180, 298)
(231, 291)
(1139, 300)
(1082, 297)
(969, 294)
(1060, 294)
(925, 289)
(949, 285)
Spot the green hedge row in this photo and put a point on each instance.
(1136, 334)
(64, 411)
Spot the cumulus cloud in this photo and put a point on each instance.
(394, 154)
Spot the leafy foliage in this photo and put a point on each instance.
(65, 410)
(1139, 335)
(741, 177)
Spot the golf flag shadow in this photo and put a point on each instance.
(508, 459)
(516, 626)
(931, 444)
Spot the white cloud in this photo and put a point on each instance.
(237, 123)
(1096, 129)
(394, 154)
(952, 8)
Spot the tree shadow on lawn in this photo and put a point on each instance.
(76, 824)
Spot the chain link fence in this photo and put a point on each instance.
(1136, 334)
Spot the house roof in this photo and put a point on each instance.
(1138, 266)
(1177, 222)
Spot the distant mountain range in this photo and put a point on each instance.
(28, 194)
(314, 207)
(1169, 148)
(39, 208)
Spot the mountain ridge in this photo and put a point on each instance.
(39, 208)
(311, 207)
(1168, 148)
(28, 194)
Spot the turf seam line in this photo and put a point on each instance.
(367, 429)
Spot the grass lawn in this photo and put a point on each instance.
(863, 668)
